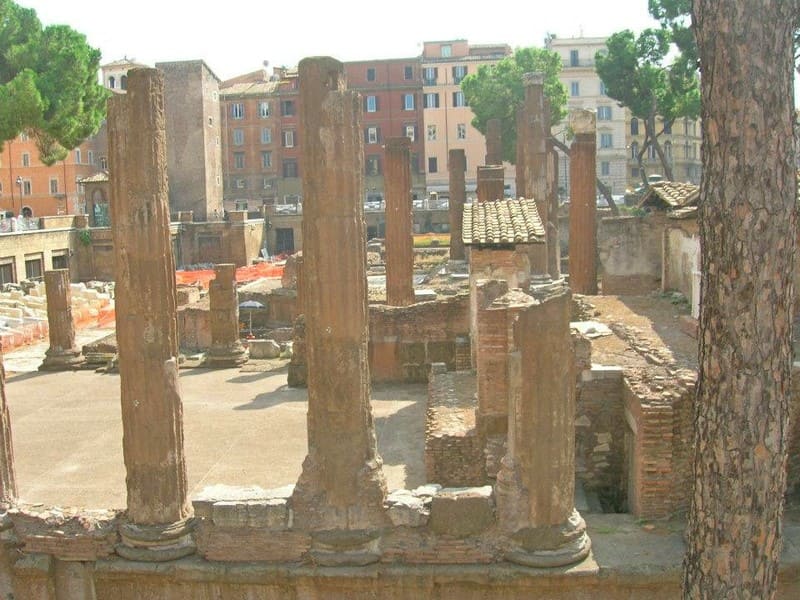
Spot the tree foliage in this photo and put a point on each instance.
(48, 83)
(636, 73)
(496, 91)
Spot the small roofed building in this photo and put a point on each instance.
(98, 196)
(670, 195)
(499, 235)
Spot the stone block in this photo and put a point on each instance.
(271, 513)
(406, 509)
(264, 349)
(461, 512)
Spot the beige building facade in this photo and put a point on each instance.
(447, 118)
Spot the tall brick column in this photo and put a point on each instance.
(520, 171)
(536, 483)
(339, 496)
(62, 354)
(583, 203)
(494, 142)
(536, 132)
(158, 525)
(490, 183)
(226, 347)
(399, 223)
(457, 165)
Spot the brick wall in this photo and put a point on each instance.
(629, 250)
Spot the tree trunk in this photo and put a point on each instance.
(659, 150)
(747, 225)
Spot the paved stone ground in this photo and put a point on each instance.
(241, 427)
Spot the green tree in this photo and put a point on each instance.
(635, 73)
(48, 83)
(496, 91)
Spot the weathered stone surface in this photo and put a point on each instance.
(146, 321)
(264, 349)
(342, 486)
(271, 513)
(461, 512)
(399, 222)
(226, 348)
(62, 353)
(406, 509)
(536, 131)
(8, 480)
(490, 184)
(457, 166)
(583, 204)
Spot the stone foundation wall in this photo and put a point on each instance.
(405, 341)
(629, 250)
(453, 449)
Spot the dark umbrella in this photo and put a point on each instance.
(250, 305)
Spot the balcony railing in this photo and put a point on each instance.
(19, 224)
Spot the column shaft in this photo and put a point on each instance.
(535, 167)
(490, 183)
(457, 165)
(583, 204)
(399, 220)
(226, 347)
(62, 353)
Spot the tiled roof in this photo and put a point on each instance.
(670, 194)
(502, 222)
(250, 88)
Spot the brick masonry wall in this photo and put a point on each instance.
(629, 250)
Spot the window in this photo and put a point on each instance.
(238, 137)
(23, 136)
(429, 75)
(112, 82)
(7, 270)
(651, 152)
(53, 185)
(237, 110)
(26, 158)
(371, 104)
(210, 121)
(603, 113)
(290, 167)
(431, 101)
(433, 165)
(26, 189)
(266, 135)
(605, 168)
(91, 157)
(575, 88)
(241, 184)
(459, 72)
(373, 166)
(238, 160)
(606, 140)
(370, 74)
(123, 82)
(408, 101)
(408, 72)
(263, 109)
(33, 266)
(411, 132)
(103, 162)
(266, 159)
(373, 135)
(668, 127)
(431, 133)
(602, 88)
(573, 58)
(214, 95)
(287, 108)
(458, 99)
(634, 126)
(288, 138)
(447, 50)
(78, 156)
(634, 150)
(60, 259)
(461, 131)
(686, 150)
(414, 162)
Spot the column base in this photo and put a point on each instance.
(226, 356)
(341, 547)
(551, 546)
(156, 543)
(62, 360)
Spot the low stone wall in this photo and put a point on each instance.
(629, 250)
(453, 449)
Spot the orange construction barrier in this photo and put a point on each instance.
(243, 274)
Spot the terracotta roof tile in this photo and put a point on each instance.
(670, 194)
(502, 222)
(97, 177)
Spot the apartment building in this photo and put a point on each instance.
(260, 139)
(392, 93)
(447, 118)
(680, 142)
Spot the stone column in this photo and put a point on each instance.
(158, 515)
(553, 241)
(8, 479)
(520, 169)
(583, 203)
(494, 142)
(536, 483)
(226, 347)
(62, 353)
(339, 495)
(535, 140)
(457, 165)
(490, 183)
(399, 222)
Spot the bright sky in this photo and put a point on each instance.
(236, 37)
